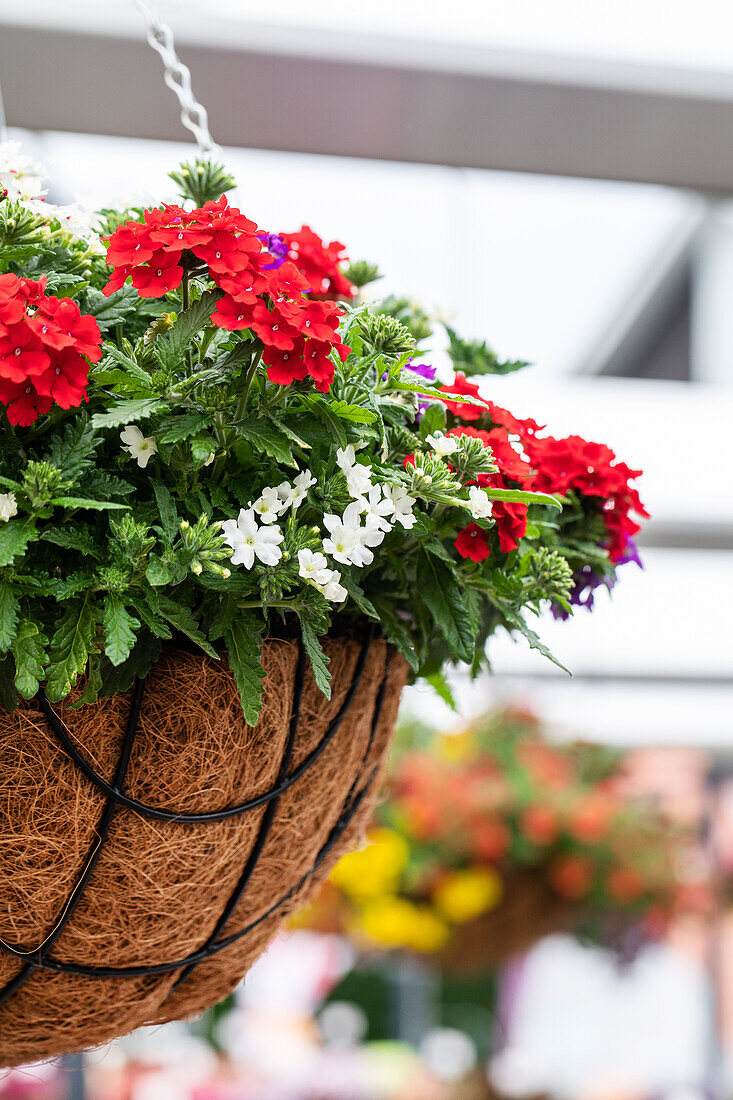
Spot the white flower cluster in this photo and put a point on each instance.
(23, 181)
(351, 537)
(255, 533)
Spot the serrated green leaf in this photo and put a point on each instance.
(119, 630)
(15, 534)
(9, 609)
(442, 689)
(190, 322)
(166, 509)
(30, 658)
(174, 429)
(516, 622)
(266, 438)
(128, 412)
(117, 678)
(318, 659)
(244, 643)
(93, 686)
(72, 449)
(397, 633)
(356, 413)
(109, 311)
(71, 645)
(150, 618)
(439, 589)
(179, 616)
(81, 539)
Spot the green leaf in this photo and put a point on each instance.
(98, 485)
(357, 594)
(166, 509)
(150, 618)
(440, 590)
(71, 646)
(179, 616)
(518, 496)
(93, 686)
(118, 367)
(244, 642)
(93, 505)
(68, 538)
(442, 688)
(225, 614)
(267, 439)
(356, 413)
(121, 677)
(190, 322)
(321, 407)
(9, 608)
(128, 412)
(15, 535)
(157, 573)
(181, 427)
(109, 311)
(30, 658)
(119, 630)
(475, 358)
(516, 622)
(397, 633)
(318, 659)
(73, 448)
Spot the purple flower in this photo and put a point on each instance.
(277, 248)
(582, 594)
(423, 370)
(631, 553)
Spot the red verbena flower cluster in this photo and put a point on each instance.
(261, 290)
(590, 469)
(319, 263)
(547, 465)
(46, 344)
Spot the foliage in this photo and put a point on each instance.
(245, 459)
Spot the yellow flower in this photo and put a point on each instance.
(396, 922)
(464, 895)
(454, 747)
(374, 869)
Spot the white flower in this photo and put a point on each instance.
(377, 507)
(314, 567)
(333, 590)
(8, 506)
(442, 444)
(291, 496)
(402, 505)
(479, 504)
(358, 477)
(268, 506)
(343, 537)
(141, 447)
(210, 459)
(248, 540)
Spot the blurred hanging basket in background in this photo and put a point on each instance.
(176, 898)
(494, 837)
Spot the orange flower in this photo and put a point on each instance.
(590, 816)
(571, 877)
(539, 824)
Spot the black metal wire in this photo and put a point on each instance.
(158, 814)
(36, 958)
(40, 957)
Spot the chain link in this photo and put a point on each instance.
(178, 77)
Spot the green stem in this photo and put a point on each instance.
(184, 291)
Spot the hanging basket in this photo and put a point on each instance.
(528, 911)
(152, 843)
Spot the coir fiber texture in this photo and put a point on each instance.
(83, 922)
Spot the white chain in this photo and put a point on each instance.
(178, 78)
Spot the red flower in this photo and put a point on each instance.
(464, 388)
(512, 423)
(286, 366)
(226, 254)
(231, 314)
(319, 263)
(163, 274)
(22, 354)
(273, 328)
(65, 381)
(625, 884)
(491, 839)
(23, 404)
(130, 245)
(472, 543)
(511, 523)
(45, 352)
(511, 519)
